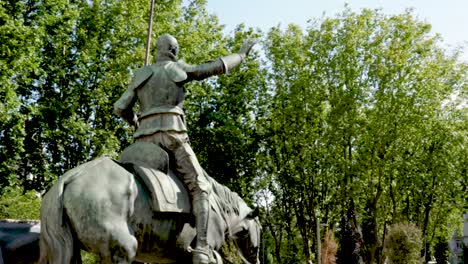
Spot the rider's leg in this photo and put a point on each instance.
(188, 166)
(202, 213)
(194, 179)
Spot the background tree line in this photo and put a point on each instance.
(359, 120)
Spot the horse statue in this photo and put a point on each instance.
(104, 207)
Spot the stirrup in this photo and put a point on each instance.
(202, 256)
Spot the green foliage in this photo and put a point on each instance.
(60, 87)
(225, 111)
(17, 204)
(229, 253)
(89, 258)
(403, 244)
(362, 111)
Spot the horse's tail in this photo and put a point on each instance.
(57, 243)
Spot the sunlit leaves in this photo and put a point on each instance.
(63, 64)
(358, 114)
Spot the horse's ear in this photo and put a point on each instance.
(254, 213)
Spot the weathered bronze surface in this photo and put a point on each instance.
(117, 211)
(159, 88)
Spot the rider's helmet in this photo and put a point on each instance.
(167, 48)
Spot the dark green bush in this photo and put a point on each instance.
(441, 250)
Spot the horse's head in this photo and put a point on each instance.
(246, 236)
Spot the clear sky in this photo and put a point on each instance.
(447, 17)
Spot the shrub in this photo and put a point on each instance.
(329, 248)
(16, 205)
(403, 244)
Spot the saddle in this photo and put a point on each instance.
(151, 165)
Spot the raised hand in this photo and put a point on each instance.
(246, 47)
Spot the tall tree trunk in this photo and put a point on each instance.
(370, 226)
(351, 239)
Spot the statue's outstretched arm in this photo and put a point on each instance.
(220, 66)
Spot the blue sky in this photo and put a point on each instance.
(447, 17)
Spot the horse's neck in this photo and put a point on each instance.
(232, 208)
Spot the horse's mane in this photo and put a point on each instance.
(228, 201)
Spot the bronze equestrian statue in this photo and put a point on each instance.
(133, 209)
(159, 89)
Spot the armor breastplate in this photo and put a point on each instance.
(160, 94)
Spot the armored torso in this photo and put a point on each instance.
(161, 93)
(161, 100)
(159, 88)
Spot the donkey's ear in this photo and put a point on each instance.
(254, 213)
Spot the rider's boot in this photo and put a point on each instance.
(202, 253)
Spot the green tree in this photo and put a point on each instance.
(60, 91)
(19, 58)
(225, 113)
(361, 115)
